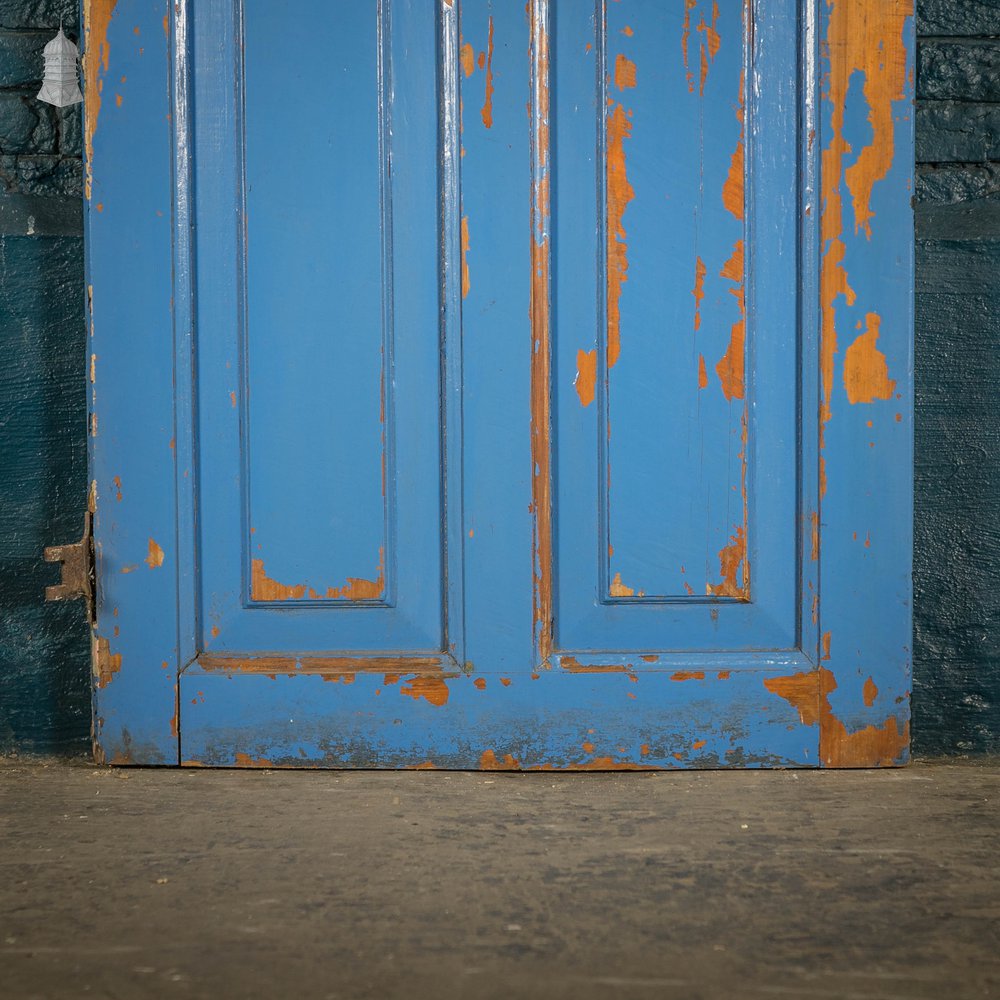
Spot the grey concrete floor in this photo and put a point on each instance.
(142, 883)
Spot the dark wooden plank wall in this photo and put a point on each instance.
(44, 667)
(956, 698)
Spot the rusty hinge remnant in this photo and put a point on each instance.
(77, 568)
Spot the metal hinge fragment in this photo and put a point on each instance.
(77, 560)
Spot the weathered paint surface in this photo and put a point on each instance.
(486, 62)
(866, 45)
(96, 53)
(541, 334)
(595, 502)
(664, 431)
(263, 588)
(322, 487)
(128, 166)
(866, 364)
(869, 746)
(663, 199)
(561, 721)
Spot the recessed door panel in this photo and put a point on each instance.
(318, 352)
(676, 352)
(320, 479)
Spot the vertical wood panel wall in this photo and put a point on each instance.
(956, 697)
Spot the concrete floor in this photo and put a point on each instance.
(132, 883)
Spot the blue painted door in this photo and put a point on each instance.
(469, 393)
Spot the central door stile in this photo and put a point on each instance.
(541, 340)
(496, 301)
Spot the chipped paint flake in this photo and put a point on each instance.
(97, 16)
(155, 557)
(869, 692)
(868, 37)
(700, 270)
(689, 5)
(710, 45)
(871, 746)
(468, 59)
(466, 283)
(866, 373)
(105, 663)
(619, 193)
(431, 689)
(246, 760)
(489, 761)
(618, 589)
(731, 558)
(573, 666)
(624, 72)
(731, 368)
(732, 189)
(864, 42)
(734, 563)
(264, 588)
(487, 111)
(585, 382)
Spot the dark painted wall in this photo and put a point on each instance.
(44, 673)
(44, 697)
(956, 697)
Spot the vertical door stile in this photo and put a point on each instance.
(129, 192)
(810, 506)
(184, 443)
(451, 333)
(495, 122)
(387, 375)
(541, 343)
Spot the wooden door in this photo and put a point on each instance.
(481, 385)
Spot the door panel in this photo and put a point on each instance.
(671, 399)
(320, 471)
(318, 315)
(490, 409)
